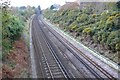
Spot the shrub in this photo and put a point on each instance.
(15, 28)
(104, 37)
(88, 31)
(117, 46)
(94, 15)
(6, 47)
(117, 15)
(113, 39)
(111, 18)
(113, 23)
(80, 29)
(82, 18)
(104, 16)
(73, 27)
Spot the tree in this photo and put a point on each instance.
(52, 7)
(39, 9)
(118, 4)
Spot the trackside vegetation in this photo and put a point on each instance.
(98, 27)
(13, 23)
(12, 28)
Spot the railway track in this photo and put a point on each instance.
(68, 45)
(49, 63)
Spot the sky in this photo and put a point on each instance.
(43, 3)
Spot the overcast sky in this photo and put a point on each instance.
(46, 3)
(43, 3)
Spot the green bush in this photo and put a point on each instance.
(12, 28)
(82, 18)
(11, 32)
(6, 47)
(104, 37)
(15, 28)
(113, 39)
(94, 15)
(80, 29)
(117, 46)
(113, 23)
(87, 31)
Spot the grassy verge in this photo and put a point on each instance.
(26, 32)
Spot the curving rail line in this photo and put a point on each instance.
(51, 66)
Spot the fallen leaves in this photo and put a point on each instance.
(19, 56)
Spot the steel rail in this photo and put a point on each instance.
(66, 75)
